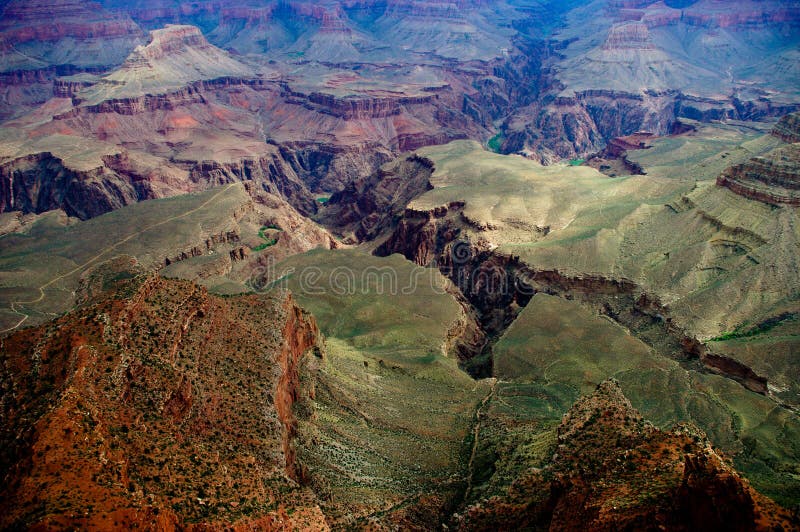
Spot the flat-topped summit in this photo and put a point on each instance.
(175, 56)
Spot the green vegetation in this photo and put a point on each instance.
(760, 328)
(496, 143)
(561, 350)
(269, 240)
(385, 371)
(577, 162)
(53, 255)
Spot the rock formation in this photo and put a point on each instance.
(612, 469)
(773, 178)
(369, 206)
(67, 32)
(160, 404)
(788, 128)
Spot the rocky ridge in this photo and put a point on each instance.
(773, 178)
(146, 434)
(612, 469)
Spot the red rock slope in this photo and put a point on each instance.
(613, 470)
(162, 405)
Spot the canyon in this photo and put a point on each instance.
(334, 120)
(399, 264)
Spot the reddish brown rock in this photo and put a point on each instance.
(773, 178)
(157, 403)
(613, 470)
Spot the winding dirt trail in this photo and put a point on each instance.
(14, 304)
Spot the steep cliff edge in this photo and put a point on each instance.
(66, 179)
(499, 285)
(159, 402)
(369, 206)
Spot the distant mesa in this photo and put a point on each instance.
(175, 56)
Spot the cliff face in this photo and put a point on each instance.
(269, 173)
(613, 470)
(355, 107)
(31, 21)
(41, 182)
(788, 128)
(575, 126)
(159, 403)
(367, 207)
(773, 178)
(67, 32)
(40, 40)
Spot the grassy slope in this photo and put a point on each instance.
(697, 253)
(150, 231)
(558, 348)
(392, 411)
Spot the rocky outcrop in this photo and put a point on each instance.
(578, 125)
(33, 21)
(269, 172)
(354, 108)
(630, 35)
(136, 105)
(613, 470)
(325, 166)
(704, 109)
(69, 88)
(706, 14)
(192, 93)
(773, 178)
(300, 336)
(42, 182)
(47, 33)
(757, 16)
(163, 404)
(210, 244)
(735, 370)
(23, 90)
(613, 159)
(369, 206)
(788, 128)
(568, 127)
(157, 13)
